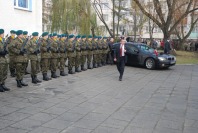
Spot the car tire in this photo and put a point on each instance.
(150, 63)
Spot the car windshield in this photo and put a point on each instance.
(146, 48)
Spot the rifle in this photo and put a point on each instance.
(38, 47)
(48, 44)
(22, 48)
(73, 46)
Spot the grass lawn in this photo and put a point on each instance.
(184, 57)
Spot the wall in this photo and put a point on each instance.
(12, 18)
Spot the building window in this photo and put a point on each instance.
(105, 17)
(104, 5)
(23, 4)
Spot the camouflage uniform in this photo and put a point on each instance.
(99, 53)
(105, 51)
(63, 56)
(20, 60)
(78, 56)
(26, 40)
(12, 66)
(3, 66)
(89, 54)
(33, 49)
(54, 57)
(84, 54)
(95, 53)
(71, 53)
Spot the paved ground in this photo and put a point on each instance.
(159, 101)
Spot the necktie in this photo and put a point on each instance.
(121, 51)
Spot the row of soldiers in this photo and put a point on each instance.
(49, 52)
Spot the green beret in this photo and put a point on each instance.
(1, 31)
(35, 34)
(19, 32)
(95, 37)
(104, 37)
(25, 32)
(63, 35)
(13, 32)
(99, 37)
(78, 36)
(83, 36)
(59, 36)
(54, 34)
(45, 34)
(90, 36)
(66, 35)
(71, 36)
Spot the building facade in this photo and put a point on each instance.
(21, 15)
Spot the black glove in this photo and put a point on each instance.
(6, 52)
(25, 51)
(21, 53)
(65, 51)
(3, 53)
(38, 51)
(35, 52)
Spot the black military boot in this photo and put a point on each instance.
(71, 72)
(22, 83)
(99, 65)
(34, 80)
(95, 65)
(26, 72)
(83, 68)
(5, 88)
(62, 73)
(37, 80)
(77, 69)
(89, 66)
(19, 84)
(54, 75)
(1, 88)
(45, 77)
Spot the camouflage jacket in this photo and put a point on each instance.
(63, 53)
(8, 41)
(78, 48)
(32, 47)
(100, 46)
(43, 47)
(89, 47)
(2, 59)
(54, 49)
(71, 50)
(84, 47)
(95, 47)
(105, 47)
(15, 48)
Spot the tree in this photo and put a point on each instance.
(164, 18)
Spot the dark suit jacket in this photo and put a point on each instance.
(117, 53)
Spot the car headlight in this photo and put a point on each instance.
(161, 58)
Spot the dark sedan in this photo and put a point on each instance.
(143, 55)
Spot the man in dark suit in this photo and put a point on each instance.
(120, 57)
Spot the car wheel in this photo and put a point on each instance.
(150, 63)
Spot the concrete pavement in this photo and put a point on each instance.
(146, 101)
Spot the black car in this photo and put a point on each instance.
(143, 55)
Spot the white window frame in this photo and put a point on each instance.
(29, 3)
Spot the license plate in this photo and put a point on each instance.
(172, 62)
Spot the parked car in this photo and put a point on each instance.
(143, 55)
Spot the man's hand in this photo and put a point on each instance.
(115, 59)
(125, 50)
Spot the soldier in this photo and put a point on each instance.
(25, 39)
(3, 62)
(18, 49)
(45, 55)
(84, 53)
(55, 55)
(71, 53)
(11, 55)
(33, 49)
(62, 50)
(100, 51)
(95, 52)
(105, 50)
(78, 53)
(90, 52)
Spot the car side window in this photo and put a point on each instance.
(133, 49)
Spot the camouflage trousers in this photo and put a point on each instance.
(99, 58)
(71, 62)
(95, 58)
(62, 63)
(89, 58)
(78, 61)
(104, 58)
(3, 72)
(20, 70)
(34, 67)
(44, 65)
(54, 64)
(12, 66)
(83, 59)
